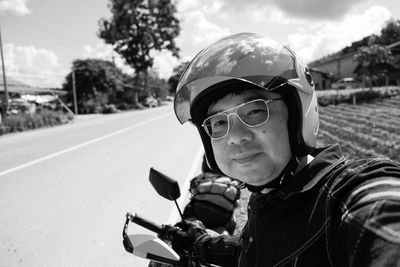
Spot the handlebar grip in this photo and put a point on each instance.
(152, 226)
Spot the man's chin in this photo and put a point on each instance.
(250, 174)
(260, 178)
(260, 182)
(254, 181)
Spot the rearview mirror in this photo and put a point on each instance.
(164, 185)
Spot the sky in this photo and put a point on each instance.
(41, 38)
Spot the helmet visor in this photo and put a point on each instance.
(245, 57)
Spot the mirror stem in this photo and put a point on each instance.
(179, 210)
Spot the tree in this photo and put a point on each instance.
(138, 27)
(390, 33)
(372, 60)
(366, 41)
(97, 83)
(156, 86)
(174, 79)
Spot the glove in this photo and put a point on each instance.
(218, 190)
(183, 237)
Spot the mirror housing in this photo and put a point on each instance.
(164, 185)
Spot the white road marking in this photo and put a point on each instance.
(175, 217)
(33, 162)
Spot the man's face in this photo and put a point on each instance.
(254, 155)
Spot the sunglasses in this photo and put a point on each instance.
(252, 114)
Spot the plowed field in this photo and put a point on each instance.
(366, 130)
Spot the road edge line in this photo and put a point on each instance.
(174, 216)
(53, 155)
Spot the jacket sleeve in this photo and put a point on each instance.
(222, 250)
(370, 219)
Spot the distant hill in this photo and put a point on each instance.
(12, 82)
(15, 86)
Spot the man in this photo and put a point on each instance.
(254, 105)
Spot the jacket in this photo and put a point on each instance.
(334, 212)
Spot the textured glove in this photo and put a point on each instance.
(219, 190)
(183, 235)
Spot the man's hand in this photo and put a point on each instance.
(183, 235)
(216, 189)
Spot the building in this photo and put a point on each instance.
(338, 66)
(341, 66)
(20, 94)
(322, 80)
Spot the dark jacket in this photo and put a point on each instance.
(334, 212)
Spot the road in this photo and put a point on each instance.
(65, 190)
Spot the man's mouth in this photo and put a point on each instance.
(246, 158)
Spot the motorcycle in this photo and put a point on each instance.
(159, 251)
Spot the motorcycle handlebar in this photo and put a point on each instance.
(152, 226)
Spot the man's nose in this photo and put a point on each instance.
(238, 132)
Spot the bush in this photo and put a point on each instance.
(367, 95)
(124, 106)
(22, 122)
(110, 108)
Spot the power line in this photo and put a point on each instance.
(41, 72)
(33, 75)
(40, 28)
(35, 31)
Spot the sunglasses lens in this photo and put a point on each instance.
(253, 113)
(217, 125)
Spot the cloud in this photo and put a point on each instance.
(184, 6)
(198, 24)
(106, 52)
(316, 9)
(17, 6)
(33, 66)
(318, 40)
(163, 65)
(274, 15)
(205, 31)
(199, 28)
(299, 9)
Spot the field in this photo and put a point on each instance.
(370, 129)
(367, 130)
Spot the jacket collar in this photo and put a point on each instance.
(325, 159)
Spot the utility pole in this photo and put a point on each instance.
(5, 99)
(74, 92)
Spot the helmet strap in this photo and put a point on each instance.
(281, 179)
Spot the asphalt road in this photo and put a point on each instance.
(64, 191)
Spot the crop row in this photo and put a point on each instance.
(379, 104)
(374, 124)
(357, 126)
(366, 130)
(368, 110)
(372, 116)
(380, 145)
(390, 116)
(350, 149)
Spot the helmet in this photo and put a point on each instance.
(250, 60)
